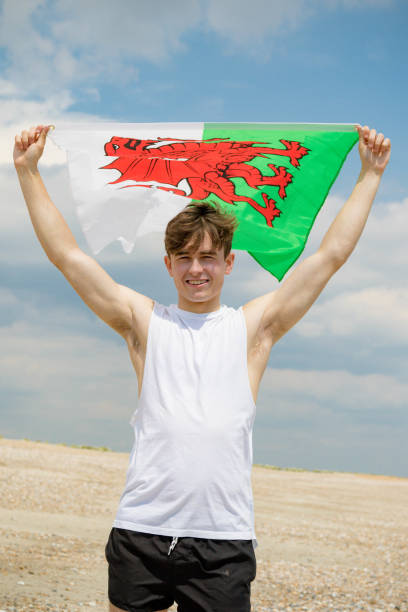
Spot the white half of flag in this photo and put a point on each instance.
(116, 212)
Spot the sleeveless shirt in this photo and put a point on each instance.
(190, 466)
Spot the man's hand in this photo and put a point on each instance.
(374, 149)
(29, 146)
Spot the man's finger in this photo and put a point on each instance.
(18, 142)
(37, 131)
(363, 132)
(43, 136)
(371, 138)
(24, 138)
(31, 136)
(386, 145)
(378, 142)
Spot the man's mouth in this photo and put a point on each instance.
(197, 283)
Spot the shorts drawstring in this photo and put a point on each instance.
(172, 545)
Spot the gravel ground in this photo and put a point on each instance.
(327, 541)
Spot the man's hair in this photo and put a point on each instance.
(194, 221)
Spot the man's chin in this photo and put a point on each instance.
(198, 297)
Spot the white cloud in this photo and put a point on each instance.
(20, 111)
(59, 44)
(149, 30)
(249, 25)
(16, 226)
(380, 257)
(245, 22)
(292, 393)
(7, 298)
(7, 88)
(96, 371)
(25, 46)
(248, 279)
(367, 297)
(385, 242)
(378, 313)
(382, 241)
(41, 358)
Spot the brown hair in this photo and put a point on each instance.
(194, 221)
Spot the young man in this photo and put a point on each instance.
(184, 530)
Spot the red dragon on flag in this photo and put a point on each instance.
(198, 168)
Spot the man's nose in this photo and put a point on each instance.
(195, 266)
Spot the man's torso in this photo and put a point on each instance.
(190, 465)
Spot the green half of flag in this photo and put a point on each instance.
(275, 178)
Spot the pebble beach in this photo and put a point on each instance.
(327, 540)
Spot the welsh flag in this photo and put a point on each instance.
(131, 179)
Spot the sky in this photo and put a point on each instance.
(335, 392)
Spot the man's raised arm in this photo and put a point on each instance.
(119, 306)
(272, 315)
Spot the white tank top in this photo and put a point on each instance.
(190, 466)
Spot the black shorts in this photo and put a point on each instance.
(200, 574)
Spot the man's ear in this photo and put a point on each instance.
(167, 262)
(229, 262)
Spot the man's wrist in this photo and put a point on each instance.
(369, 174)
(24, 170)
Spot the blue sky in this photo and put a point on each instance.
(335, 393)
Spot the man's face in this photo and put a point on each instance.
(199, 275)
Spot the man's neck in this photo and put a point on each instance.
(199, 307)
